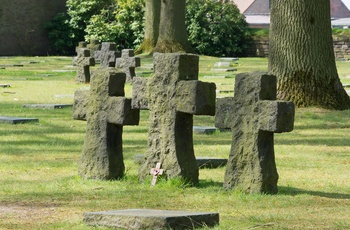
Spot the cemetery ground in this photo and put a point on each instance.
(40, 187)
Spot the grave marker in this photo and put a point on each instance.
(108, 54)
(151, 219)
(128, 62)
(47, 106)
(174, 96)
(83, 61)
(254, 116)
(81, 45)
(107, 111)
(17, 120)
(157, 171)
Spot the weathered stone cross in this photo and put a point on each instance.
(106, 110)
(107, 54)
(254, 116)
(174, 96)
(157, 171)
(83, 61)
(128, 62)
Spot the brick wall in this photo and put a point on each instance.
(22, 24)
(260, 48)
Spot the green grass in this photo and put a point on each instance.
(40, 188)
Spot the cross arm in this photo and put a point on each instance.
(276, 116)
(119, 112)
(81, 98)
(195, 97)
(224, 112)
(139, 93)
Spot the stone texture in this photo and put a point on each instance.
(107, 111)
(107, 54)
(128, 62)
(254, 116)
(151, 219)
(83, 61)
(139, 93)
(174, 95)
(22, 26)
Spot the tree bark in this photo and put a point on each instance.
(152, 20)
(172, 28)
(301, 54)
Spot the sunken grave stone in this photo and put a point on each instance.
(106, 110)
(83, 61)
(174, 96)
(253, 115)
(151, 219)
(128, 62)
(17, 120)
(108, 54)
(47, 106)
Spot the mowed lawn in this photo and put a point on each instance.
(40, 187)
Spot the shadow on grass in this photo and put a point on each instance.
(209, 183)
(291, 191)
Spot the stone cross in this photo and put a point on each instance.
(108, 54)
(157, 171)
(83, 61)
(174, 96)
(253, 115)
(80, 45)
(106, 110)
(128, 62)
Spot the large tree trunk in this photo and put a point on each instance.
(152, 19)
(301, 54)
(172, 28)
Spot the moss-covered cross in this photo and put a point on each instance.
(253, 115)
(108, 54)
(174, 95)
(83, 61)
(128, 62)
(106, 110)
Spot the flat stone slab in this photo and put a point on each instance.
(5, 85)
(225, 91)
(222, 64)
(12, 65)
(204, 129)
(229, 59)
(218, 77)
(224, 69)
(203, 162)
(151, 219)
(47, 106)
(211, 162)
(17, 120)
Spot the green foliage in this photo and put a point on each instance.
(121, 22)
(80, 12)
(61, 35)
(215, 28)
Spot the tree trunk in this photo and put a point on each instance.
(152, 19)
(301, 54)
(172, 28)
